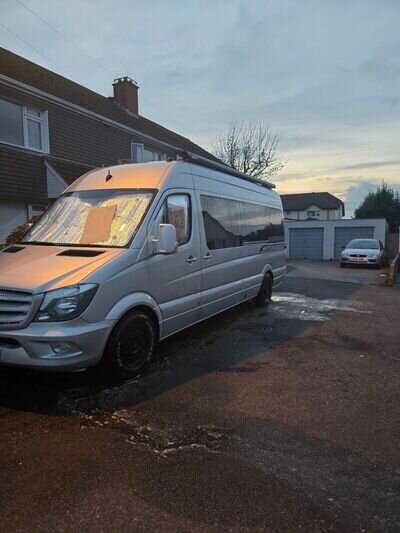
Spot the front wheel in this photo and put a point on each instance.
(130, 346)
(263, 297)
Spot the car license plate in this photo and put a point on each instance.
(359, 259)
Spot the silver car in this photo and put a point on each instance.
(363, 252)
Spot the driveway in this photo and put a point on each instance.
(279, 420)
(330, 270)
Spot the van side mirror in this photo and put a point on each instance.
(166, 243)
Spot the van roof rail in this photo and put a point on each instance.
(202, 161)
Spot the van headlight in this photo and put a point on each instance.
(66, 303)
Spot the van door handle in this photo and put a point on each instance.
(207, 256)
(191, 259)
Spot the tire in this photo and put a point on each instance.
(263, 297)
(130, 346)
(343, 265)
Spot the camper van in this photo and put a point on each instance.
(131, 254)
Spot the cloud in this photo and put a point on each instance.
(324, 74)
(371, 164)
(355, 194)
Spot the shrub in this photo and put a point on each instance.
(17, 234)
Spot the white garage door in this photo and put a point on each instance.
(344, 235)
(306, 243)
(11, 216)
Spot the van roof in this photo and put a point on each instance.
(127, 176)
(152, 175)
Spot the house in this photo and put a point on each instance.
(312, 206)
(52, 130)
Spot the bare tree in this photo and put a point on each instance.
(251, 148)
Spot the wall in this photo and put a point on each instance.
(80, 138)
(380, 228)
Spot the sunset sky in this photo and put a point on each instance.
(324, 73)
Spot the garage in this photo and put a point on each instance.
(306, 243)
(344, 235)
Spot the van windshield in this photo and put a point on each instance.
(92, 218)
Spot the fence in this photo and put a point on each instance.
(392, 244)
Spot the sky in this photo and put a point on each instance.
(325, 74)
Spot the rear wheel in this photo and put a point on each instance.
(263, 297)
(130, 346)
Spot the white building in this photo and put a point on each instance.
(312, 206)
(325, 239)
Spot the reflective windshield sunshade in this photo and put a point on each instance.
(103, 218)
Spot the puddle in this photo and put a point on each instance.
(300, 307)
(81, 395)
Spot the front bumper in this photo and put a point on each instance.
(359, 260)
(34, 346)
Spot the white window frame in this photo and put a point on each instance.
(44, 128)
(140, 148)
(161, 156)
(32, 212)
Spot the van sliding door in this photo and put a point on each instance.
(220, 253)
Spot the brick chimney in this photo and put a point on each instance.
(126, 94)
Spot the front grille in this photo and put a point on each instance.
(14, 307)
(357, 255)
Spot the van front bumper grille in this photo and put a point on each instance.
(15, 307)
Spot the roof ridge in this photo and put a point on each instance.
(26, 71)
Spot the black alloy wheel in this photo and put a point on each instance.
(264, 295)
(131, 345)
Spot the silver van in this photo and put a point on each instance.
(132, 254)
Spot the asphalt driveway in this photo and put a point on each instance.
(331, 271)
(285, 419)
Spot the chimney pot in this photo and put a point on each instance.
(126, 93)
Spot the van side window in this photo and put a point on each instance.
(229, 223)
(221, 222)
(176, 210)
(261, 223)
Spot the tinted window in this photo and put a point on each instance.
(261, 223)
(221, 222)
(176, 211)
(231, 223)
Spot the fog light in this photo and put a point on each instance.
(62, 348)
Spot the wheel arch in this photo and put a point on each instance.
(268, 270)
(136, 302)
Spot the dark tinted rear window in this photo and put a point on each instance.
(230, 223)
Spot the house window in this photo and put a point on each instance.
(24, 126)
(151, 155)
(140, 154)
(35, 210)
(137, 152)
(313, 213)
